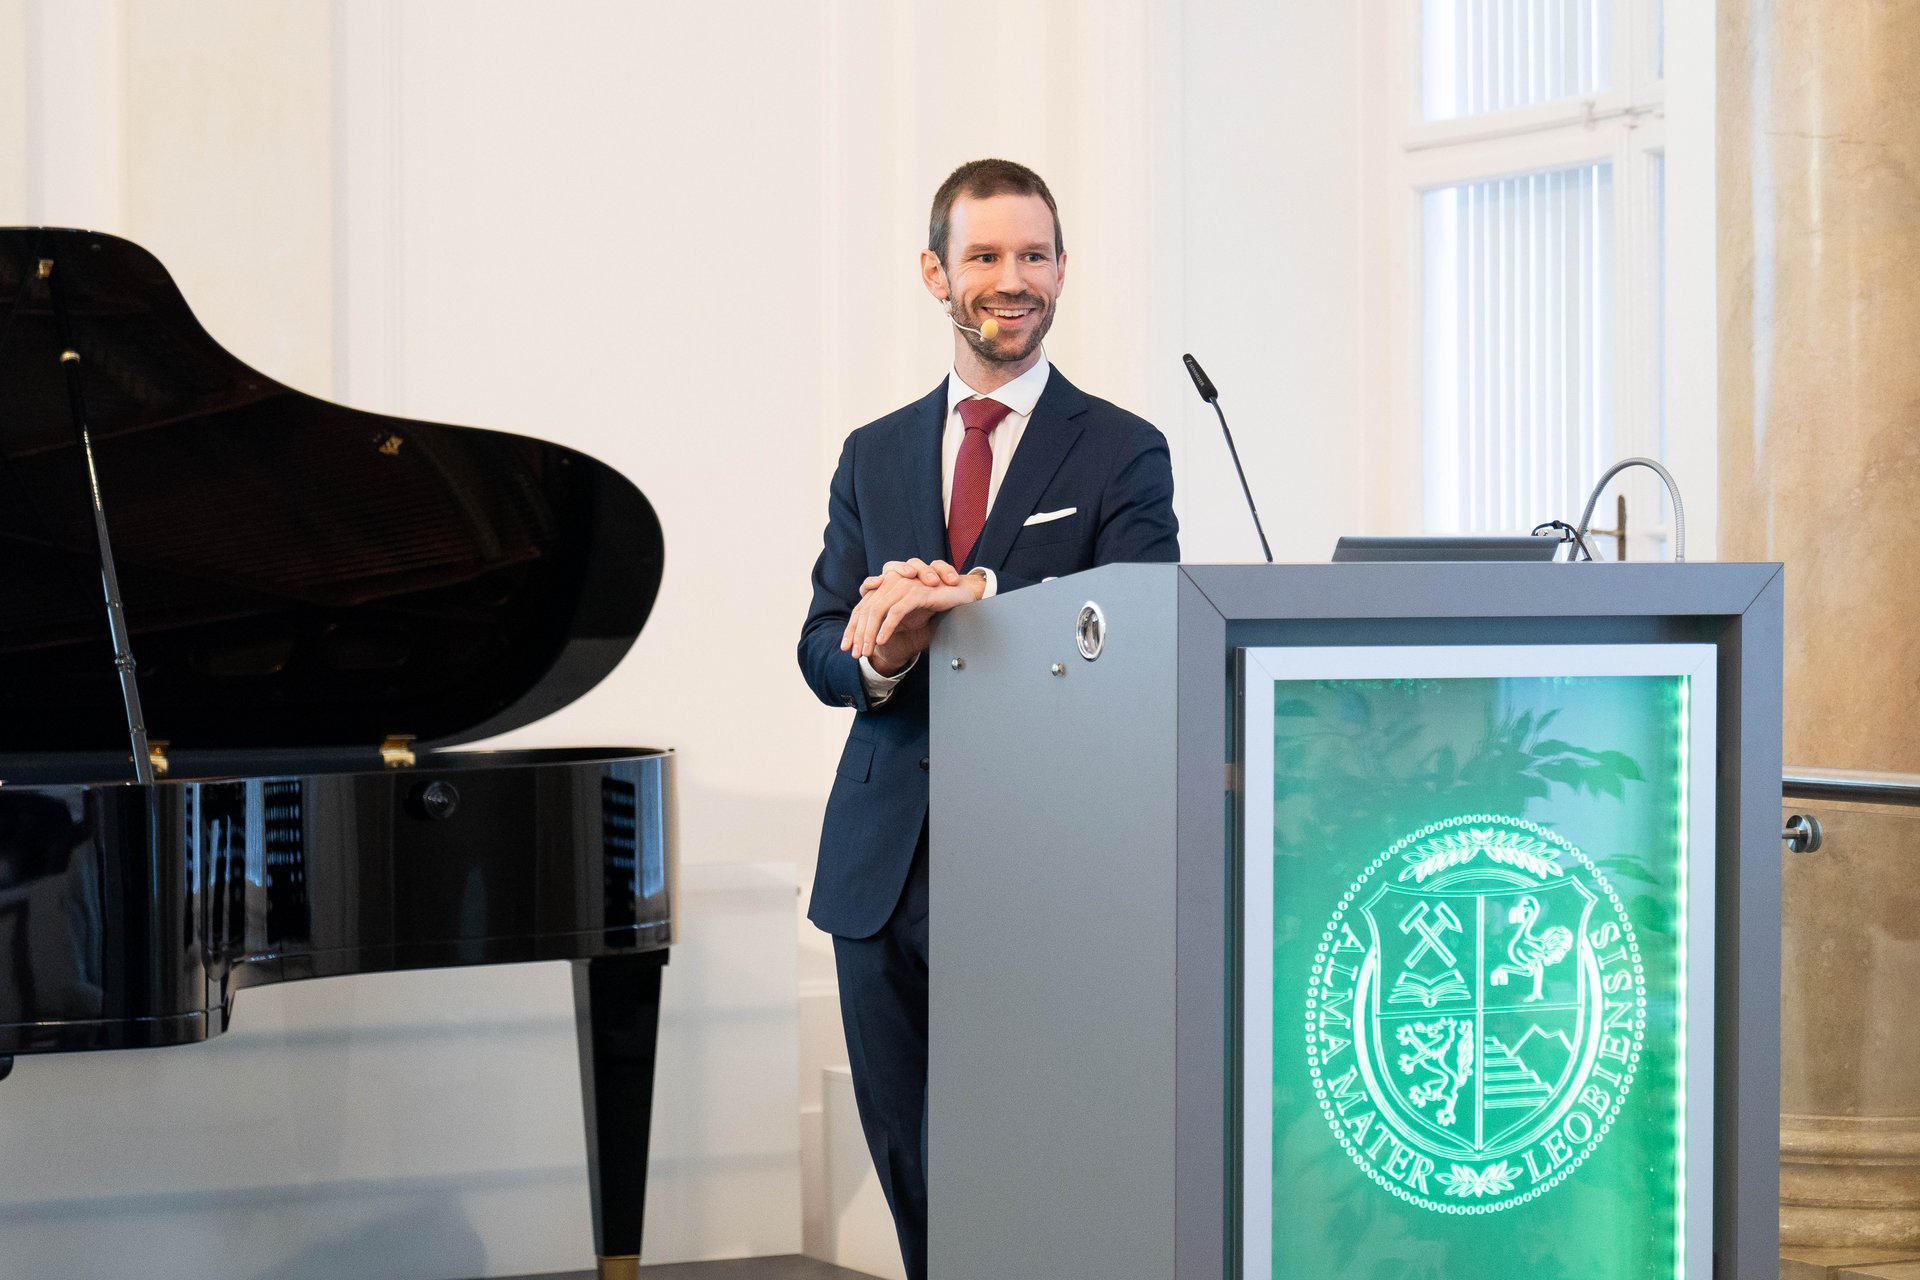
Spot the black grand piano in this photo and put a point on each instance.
(239, 627)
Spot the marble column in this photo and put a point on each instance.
(1819, 196)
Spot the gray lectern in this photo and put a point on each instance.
(1358, 921)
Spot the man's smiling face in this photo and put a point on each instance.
(1002, 262)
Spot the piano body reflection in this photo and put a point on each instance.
(239, 627)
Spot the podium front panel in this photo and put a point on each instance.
(1477, 962)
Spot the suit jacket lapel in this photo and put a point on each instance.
(1050, 432)
(921, 482)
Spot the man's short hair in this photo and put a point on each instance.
(979, 180)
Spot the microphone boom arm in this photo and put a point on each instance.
(1204, 385)
(1238, 470)
(1673, 491)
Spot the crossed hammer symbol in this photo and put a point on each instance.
(1431, 935)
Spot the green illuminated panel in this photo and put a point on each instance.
(1476, 1007)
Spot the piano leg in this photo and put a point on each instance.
(616, 1011)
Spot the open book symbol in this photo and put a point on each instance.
(1428, 992)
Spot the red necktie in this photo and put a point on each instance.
(972, 473)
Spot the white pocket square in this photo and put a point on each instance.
(1042, 517)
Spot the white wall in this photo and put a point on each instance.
(1272, 242)
(1693, 263)
(681, 238)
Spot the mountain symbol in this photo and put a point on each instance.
(1508, 1080)
(1566, 1042)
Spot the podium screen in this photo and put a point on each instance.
(1475, 1015)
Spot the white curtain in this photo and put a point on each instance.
(1517, 347)
(1492, 55)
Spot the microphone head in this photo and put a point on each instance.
(1201, 382)
(989, 328)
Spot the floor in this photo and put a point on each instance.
(1848, 1264)
(792, 1267)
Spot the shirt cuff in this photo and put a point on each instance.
(879, 687)
(993, 583)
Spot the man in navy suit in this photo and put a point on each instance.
(1004, 475)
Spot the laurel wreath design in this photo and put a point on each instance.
(1457, 848)
(1494, 1180)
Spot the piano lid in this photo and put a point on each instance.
(295, 574)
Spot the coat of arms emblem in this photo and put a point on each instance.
(1475, 1014)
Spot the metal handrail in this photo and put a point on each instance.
(1850, 784)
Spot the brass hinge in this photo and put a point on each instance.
(157, 755)
(397, 751)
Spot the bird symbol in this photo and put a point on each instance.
(1529, 954)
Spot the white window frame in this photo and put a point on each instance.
(1625, 125)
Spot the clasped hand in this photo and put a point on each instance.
(893, 622)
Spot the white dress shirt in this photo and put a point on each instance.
(1020, 396)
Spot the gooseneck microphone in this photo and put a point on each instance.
(1204, 385)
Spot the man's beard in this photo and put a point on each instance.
(992, 352)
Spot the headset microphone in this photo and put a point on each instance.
(989, 328)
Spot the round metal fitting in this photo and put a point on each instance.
(958, 664)
(1090, 631)
(434, 801)
(1802, 833)
(1058, 668)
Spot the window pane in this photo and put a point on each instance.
(1517, 348)
(1478, 56)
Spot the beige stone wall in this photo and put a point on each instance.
(1819, 158)
(1819, 173)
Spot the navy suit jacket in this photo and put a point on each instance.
(1077, 451)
